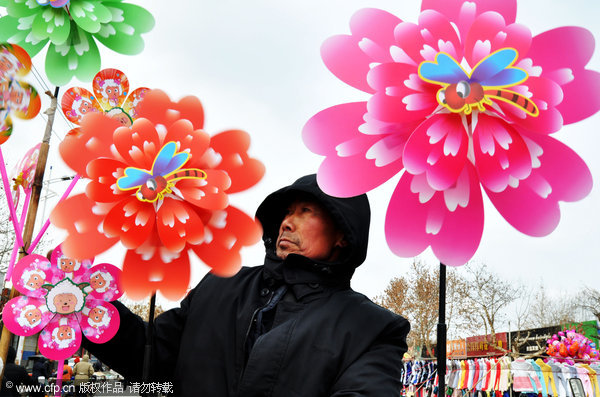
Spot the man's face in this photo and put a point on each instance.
(308, 230)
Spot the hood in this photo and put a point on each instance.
(351, 214)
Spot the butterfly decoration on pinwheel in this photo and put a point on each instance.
(160, 187)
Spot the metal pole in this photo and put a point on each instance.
(441, 334)
(33, 207)
(149, 340)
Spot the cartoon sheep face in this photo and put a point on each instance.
(33, 279)
(63, 335)
(68, 265)
(98, 317)
(100, 281)
(30, 316)
(65, 297)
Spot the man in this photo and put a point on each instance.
(292, 327)
(15, 374)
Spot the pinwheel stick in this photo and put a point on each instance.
(33, 206)
(149, 340)
(59, 378)
(441, 334)
(13, 255)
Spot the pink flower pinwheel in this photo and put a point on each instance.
(161, 188)
(466, 98)
(62, 298)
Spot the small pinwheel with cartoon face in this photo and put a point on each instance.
(63, 298)
(23, 173)
(17, 98)
(111, 95)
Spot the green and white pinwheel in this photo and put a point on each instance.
(72, 31)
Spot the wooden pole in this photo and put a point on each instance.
(36, 191)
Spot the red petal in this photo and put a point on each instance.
(141, 277)
(130, 220)
(178, 224)
(76, 215)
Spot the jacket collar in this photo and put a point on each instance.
(299, 272)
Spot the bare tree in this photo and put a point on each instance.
(488, 297)
(589, 300)
(142, 309)
(416, 297)
(548, 311)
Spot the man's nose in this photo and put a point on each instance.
(288, 222)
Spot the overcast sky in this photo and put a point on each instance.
(256, 66)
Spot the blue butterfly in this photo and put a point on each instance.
(153, 184)
(462, 92)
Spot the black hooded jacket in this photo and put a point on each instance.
(320, 339)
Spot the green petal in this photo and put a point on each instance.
(78, 57)
(89, 15)
(123, 33)
(20, 8)
(53, 23)
(10, 32)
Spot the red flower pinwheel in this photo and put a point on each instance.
(111, 95)
(462, 99)
(16, 97)
(62, 298)
(161, 188)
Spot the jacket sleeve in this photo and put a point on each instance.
(376, 372)
(125, 351)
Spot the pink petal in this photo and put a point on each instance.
(567, 46)
(438, 148)
(360, 175)
(490, 28)
(30, 273)
(25, 315)
(581, 97)
(394, 109)
(349, 57)
(393, 74)
(501, 154)
(332, 126)
(464, 12)
(374, 24)
(454, 235)
(56, 344)
(532, 207)
(437, 32)
(347, 61)
(99, 321)
(105, 282)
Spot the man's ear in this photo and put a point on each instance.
(341, 242)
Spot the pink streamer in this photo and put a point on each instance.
(13, 256)
(9, 200)
(43, 230)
